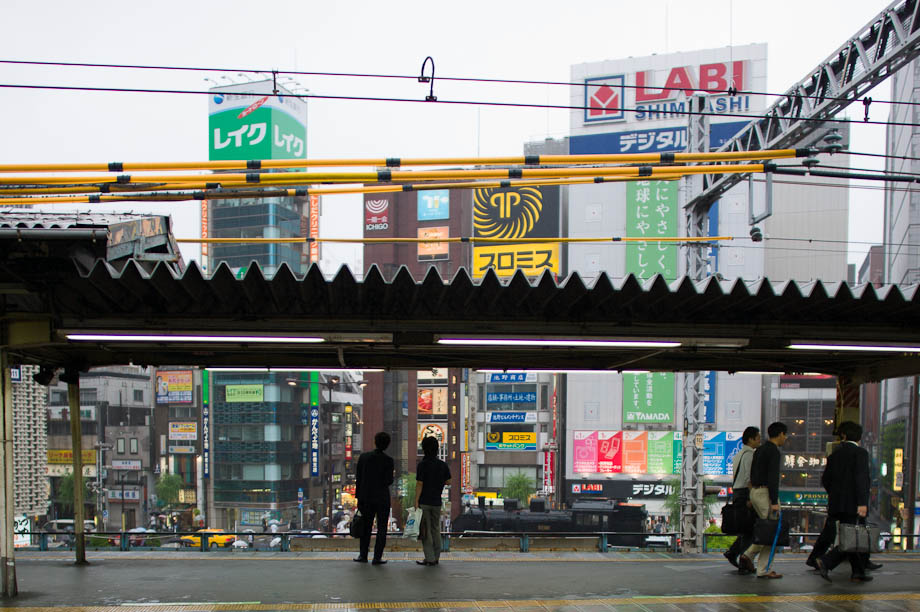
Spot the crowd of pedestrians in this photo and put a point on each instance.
(755, 485)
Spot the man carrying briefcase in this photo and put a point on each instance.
(846, 479)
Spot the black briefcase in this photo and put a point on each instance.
(737, 518)
(765, 532)
(357, 525)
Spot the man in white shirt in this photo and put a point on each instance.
(741, 490)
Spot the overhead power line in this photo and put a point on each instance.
(278, 73)
(676, 112)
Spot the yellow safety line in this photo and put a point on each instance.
(612, 158)
(480, 604)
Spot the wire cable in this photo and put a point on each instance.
(444, 101)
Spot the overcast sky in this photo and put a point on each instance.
(537, 40)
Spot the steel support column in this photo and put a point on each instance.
(692, 508)
(76, 437)
(7, 497)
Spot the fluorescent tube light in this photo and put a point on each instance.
(561, 342)
(325, 369)
(871, 348)
(192, 338)
(241, 369)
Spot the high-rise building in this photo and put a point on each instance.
(901, 235)
(624, 431)
(30, 441)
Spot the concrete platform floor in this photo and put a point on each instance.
(507, 582)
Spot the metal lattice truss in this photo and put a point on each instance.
(883, 46)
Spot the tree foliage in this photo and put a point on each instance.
(518, 487)
(672, 504)
(167, 488)
(65, 491)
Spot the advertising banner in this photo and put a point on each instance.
(433, 251)
(584, 452)
(438, 430)
(635, 452)
(174, 386)
(512, 377)
(432, 376)
(243, 393)
(126, 464)
(512, 417)
(678, 454)
(65, 457)
(516, 213)
(660, 452)
(511, 441)
(651, 212)
(248, 121)
(714, 453)
(183, 431)
(314, 440)
(432, 401)
(648, 398)
(314, 228)
(465, 483)
(376, 213)
(433, 204)
(661, 140)
(549, 467)
(182, 450)
(609, 452)
(732, 447)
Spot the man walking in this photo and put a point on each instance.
(431, 475)
(765, 468)
(741, 491)
(846, 479)
(373, 477)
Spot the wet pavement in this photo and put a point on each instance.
(545, 581)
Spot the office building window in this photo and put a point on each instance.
(133, 446)
(138, 395)
(120, 446)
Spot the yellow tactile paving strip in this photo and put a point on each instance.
(546, 604)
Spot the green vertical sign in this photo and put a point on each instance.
(678, 451)
(660, 452)
(648, 397)
(651, 212)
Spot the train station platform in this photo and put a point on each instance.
(488, 581)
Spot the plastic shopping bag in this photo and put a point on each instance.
(412, 524)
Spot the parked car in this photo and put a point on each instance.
(216, 537)
(57, 526)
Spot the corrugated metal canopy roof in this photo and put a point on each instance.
(395, 323)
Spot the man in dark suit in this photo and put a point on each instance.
(373, 477)
(846, 479)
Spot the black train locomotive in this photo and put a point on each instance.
(583, 516)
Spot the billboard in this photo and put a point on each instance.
(432, 402)
(438, 430)
(516, 213)
(511, 440)
(376, 213)
(433, 204)
(648, 397)
(243, 393)
(433, 251)
(174, 386)
(183, 431)
(247, 121)
(648, 452)
(651, 212)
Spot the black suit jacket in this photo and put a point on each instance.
(846, 479)
(373, 477)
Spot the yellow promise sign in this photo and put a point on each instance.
(532, 258)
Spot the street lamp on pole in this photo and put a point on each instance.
(122, 478)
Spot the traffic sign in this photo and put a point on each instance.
(105, 514)
(300, 496)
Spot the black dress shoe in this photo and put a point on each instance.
(811, 563)
(873, 566)
(425, 562)
(822, 569)
(862, 578)
(731, 558)
(360, 559)
(378, 561)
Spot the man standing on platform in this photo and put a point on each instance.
(373, 477)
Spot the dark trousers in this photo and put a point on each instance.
(740, 497)
(826, 540)
(836, 556)
(382, 513)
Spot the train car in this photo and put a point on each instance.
(583, 516)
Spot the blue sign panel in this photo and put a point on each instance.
(433, 204)
(662, 140)
(528, 397)
(710, 398)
